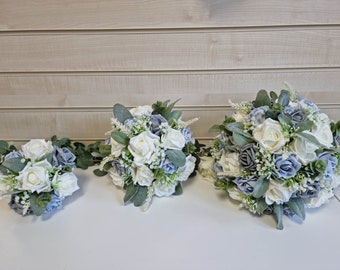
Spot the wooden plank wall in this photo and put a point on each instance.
(63, 64)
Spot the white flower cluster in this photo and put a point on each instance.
(33, 172)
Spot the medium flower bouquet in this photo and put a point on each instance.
(151, 151)
(38, 177)
(277, 155)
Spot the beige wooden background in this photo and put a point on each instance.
(63, 64)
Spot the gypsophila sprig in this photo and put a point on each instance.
(151, 152)
(277, 154)
(38, 177)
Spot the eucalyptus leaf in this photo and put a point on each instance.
(298, 207)
(260, 187)
(237, 127)
(178, 190)
(121, 113)
(3, 147)
(140, 197)
(261, 206)
(305, 125)
(278, 211)
(120, 137)
(284, 98)
(241, 140)
(273, 95)
(38, 202)
(99, 173)
(105, 149)
(177, 157)
(14, 164)
(216, 128)
(262, 99)
(284, 119)
(131, 191)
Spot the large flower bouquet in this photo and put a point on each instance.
(38, 177)
(151, 151)
(277, 155)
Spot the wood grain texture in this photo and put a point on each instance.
(147, 14)
(171, 51)
(132, 89)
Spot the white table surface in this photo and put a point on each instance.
(201, 229)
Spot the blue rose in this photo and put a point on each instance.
(309, 106)
(167, 166)
(296, 115)
(258, 115)
(156, 121)
(287, 167)
(245, 185)
(14, 154)
(55, 204)
(312, 190)
(186, 132)
(331, 163)
(63, 157)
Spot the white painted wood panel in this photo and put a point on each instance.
(194, 88)
(141, 14)
(204, 50)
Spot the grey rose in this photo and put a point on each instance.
(247, 157)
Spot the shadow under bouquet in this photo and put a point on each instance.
(39, 176)
(151, 151)
(277, 155)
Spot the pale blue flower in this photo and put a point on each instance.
(287, 167)
(55, 204)
(309, 106)
(295, 114)
(331, 163)
(246, 185)
(258, 115)
(63, 157)
(167, 166)
(14, 154)
(186, 132)
(156, 121)
(311, 191)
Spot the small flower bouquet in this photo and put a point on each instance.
(277, 155)
(38, 177)
(151, 151)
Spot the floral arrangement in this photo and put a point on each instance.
(39, 177)
(276, 155)
(151, 151)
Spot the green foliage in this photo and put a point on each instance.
(284, 98)
(121, 113)
(14, 165)
(262, 99)
(140, 196)
(120, 137)
(261, 206)
(278, 211)
(6, 148)
(240, 136)
(99, 173)
(131, 191)
(178, 190)
(297, 206)
(165, 109)
(177, 157)
(260, 187)
(38, 202)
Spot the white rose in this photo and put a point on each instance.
(162, 189)
(277, 193)
(37, 149)
(230, 165)
(142, 175)
(173, 139)
(206, 168)
(143, 147)
(141, 110)
(116, 148)
(235, 194)
(323, 196)
(35, 178)
(322, 132)
(187, 169)
(116, 178)
(304, 149)
(64, 185)
(269, 135)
